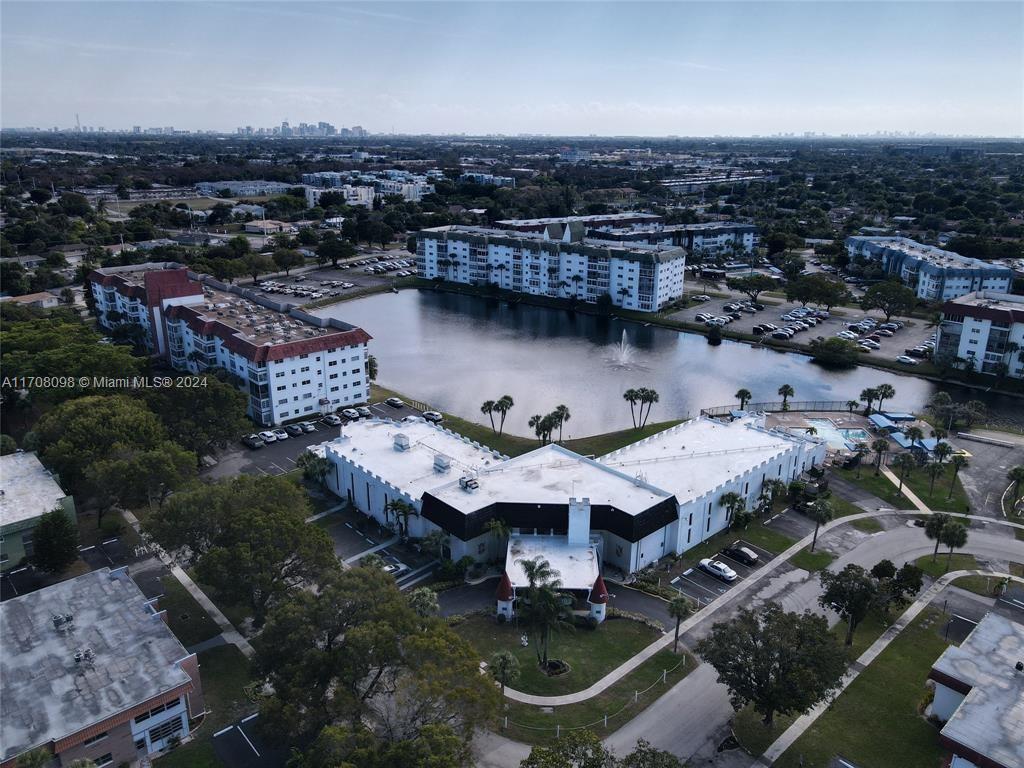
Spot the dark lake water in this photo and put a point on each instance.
(454, 352)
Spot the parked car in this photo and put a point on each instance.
(294, 430)
(742, 554)
(268, 437)
(396, 569)
(363, 411)
(350, 413)
(280, 434)
(395, 402)
(703, 317)
(252, 441)
(433, 416)
(331, 419)
(308, 426)
(906, 360)
(718, 569)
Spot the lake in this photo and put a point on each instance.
(455, 352)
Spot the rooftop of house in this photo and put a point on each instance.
(411, 454)
(135, 274)
(551, 475)
(697, 456)
(27, 489)
(577, 566)
(990, 300)
(990, 720)
(926, 253)
(78, 653)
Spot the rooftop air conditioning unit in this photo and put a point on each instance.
(442, 463)
(469, 483)
(401, 442)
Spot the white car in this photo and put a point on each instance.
(350, 413)
(433, 416)
(268, 437)
(331, 419)
(906, 360)
(870, 344)
(718, 569)
(280, 434)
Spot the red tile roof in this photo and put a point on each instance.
(505, 591)
(598, 593)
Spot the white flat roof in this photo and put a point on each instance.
(371, 444)
(576, 566)
(551, 475)
(28, 488)
(697, 456)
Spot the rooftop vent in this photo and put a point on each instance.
(62, 622)
(402, 443)
(469, 483)
(442, 463)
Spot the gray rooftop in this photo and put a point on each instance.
(27, 489)
(990, 720)
(45, 694)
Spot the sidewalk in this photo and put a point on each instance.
(913, 497)
(785, 741)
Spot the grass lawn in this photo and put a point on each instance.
(590, 653)
(959, 562)
(236, 614)
(756, 533)
(867, 524)
(1018, 533)
(812, 561)
(864, 635)
(877, 485)
(752, 733)
(186, 618)
(534, 725)
(938, 497)
(225, 673)
(842, 507)
(876, 722)
(979, 585)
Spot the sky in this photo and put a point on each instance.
(573, 68)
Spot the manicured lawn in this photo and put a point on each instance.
(591, 654)
(877, 485)
(867, 524)
(876, 722)
(866, 633)
(236, 614)
(225, 673)
(979, 585)
(753, 735)
(534, 725)
(812, 561)
(186, 618)
(842, 507)
(938, 498)
(959, 562)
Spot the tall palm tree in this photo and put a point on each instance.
(499, 529)
(954, 536)
(504, 668)
(860, 450)
(544, 609)
(958, 462)
(562, 415)
(942, 451)
(402, 510)
(913, 434)
(502, 405)
(881, 447)
(488, 409)
(786, 391)
(743, 396)
(811, 431)
(821, 512)
(679, 608)
(733, 503)
(851, 405)
(650, 397)
(868, 396)
(632, 396)
(537, 425)
(934, 470)
(904, 464)
(884, 392)
(423, 602)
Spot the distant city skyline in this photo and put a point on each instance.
(572, 69)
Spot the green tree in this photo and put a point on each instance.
(904, 464)
(55, 542)
(371, 368)
(679, 608)
(820, 511)
(786, 392)
(247, 538)
(942, 451)
(488, 410)
(287, 259)
(890, 297)
(133, 475)
(752, 285)
(958, 462)
(632, 396)
(954, 536)
(544, 610)
(851, 593)
(334, 250)
(648, 397)
(1016, 478)
(884, 392)
(257, 264)
(579, 749)
(503, 405)
(797, 659)
(349, 746)
(561, 415)
(933, 529)
(504, 667)
(402, 510)
(880, 447)
(314, 467)
(868, 397)
(934, 469)
(423, 601)
(743, 395)
(201, 419)
(7, 445)
(835, 352)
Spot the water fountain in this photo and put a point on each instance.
(622, 353)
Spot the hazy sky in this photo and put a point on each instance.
(567, 68)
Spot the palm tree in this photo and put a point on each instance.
(423, 602)
(562, 415)
(679, 608)
(821, 511)
(954, 536)
(536, 423)
(881, 447)
(504, 668)
(942, 451)
(499, 529)
(860, 450)
(933, 529)
(488, 409)
(914, 434)
(958, 462)
(632, 396)
(733, 504)
(650, 397)
(884, 392)
(401, 510)
(904, 464)
(811, 431)
(1016, 476)
(544, 609)
(787, 392)
(934, 470)
(851, 405)
(868, 396)
(743, 396)
(502, 406)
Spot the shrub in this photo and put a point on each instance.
(112, 525)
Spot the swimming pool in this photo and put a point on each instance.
(839, 439)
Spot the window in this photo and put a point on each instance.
(154, 711)
(355, 370)
(106, 759)
(305, 369)
(281, 388)
(332, 363)
(164, 730)
(333, 376)
(94, 739)
(279, 374)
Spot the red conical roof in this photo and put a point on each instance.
(598, 592)
(505, 591)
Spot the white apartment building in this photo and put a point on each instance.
(658, 496)
(712, 237)
(558, 262)
(932, 273)
(245, 188)
(986, 331)
(412, 187)
(488, 179)
(353, 195)
(411, 191)
(290, 364)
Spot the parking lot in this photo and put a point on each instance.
(702, 588)
(912, 334)
(241, 746)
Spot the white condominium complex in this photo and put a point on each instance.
(558, 262)
(290, 364)
(985, 331)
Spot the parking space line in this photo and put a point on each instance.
(248, 742)
(700, 586)
(222, 731)
(288, 458)
(253, 716)
(279, 469)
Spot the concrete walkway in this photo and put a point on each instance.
(371, 550)
(326, 512)
(711, 609)
(913, 497)
(785, 741)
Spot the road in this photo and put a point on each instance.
(692, 718)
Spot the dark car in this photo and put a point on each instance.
(293, 429)
(252, 441)
(741, 554)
